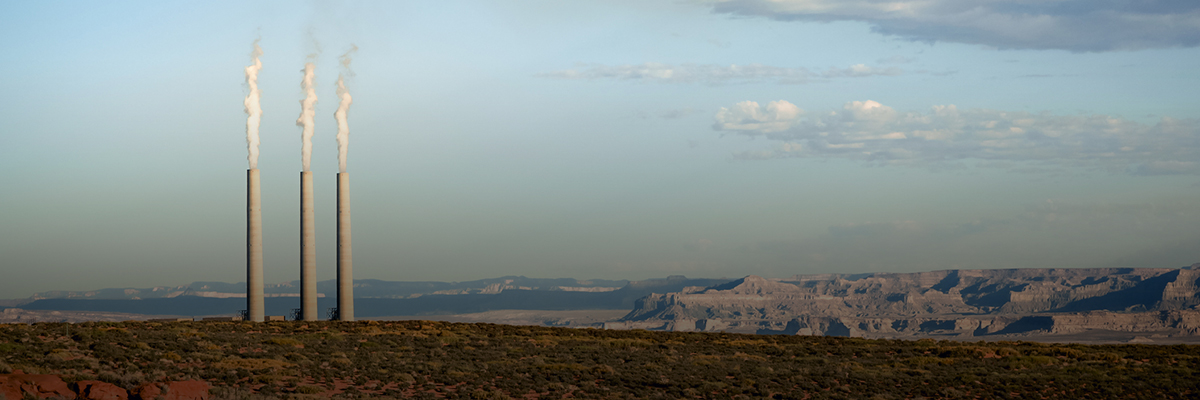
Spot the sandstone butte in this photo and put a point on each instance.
(18, 385)
(951, 304)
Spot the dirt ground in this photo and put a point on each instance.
(571, 319)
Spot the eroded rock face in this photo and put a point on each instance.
(176, 390)
(953, 302)
(188, 390)
(18, 384)
(96, 390)
(148, 391)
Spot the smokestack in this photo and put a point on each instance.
(308, 250)
(345, 263)
(254, 255)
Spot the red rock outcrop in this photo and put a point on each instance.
(188, 390)
(176, 390)
(18, 384)
(97, 390)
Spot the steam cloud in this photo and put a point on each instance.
(253, 109)
(343, 133)
(307, 114)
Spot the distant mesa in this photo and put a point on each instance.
(374, 298)
(754, 285)
(959, 304)
(368, 288)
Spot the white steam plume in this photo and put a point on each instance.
(343, 133)
(253, 109)
(306, 114)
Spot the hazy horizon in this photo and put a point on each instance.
(602, 140)
(331, 289)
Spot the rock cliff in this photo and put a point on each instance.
(952, 303)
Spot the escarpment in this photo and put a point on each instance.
(951, 303)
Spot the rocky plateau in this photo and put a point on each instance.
(1103, 304)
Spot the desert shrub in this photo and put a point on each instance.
(1007, 352)
(1031, 361)
(252, 364)
(127, 380)
(234, 393)
(282, 341)
(493, 361)
(9, 348)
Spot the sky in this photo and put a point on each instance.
(601, 139)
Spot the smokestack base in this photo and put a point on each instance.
(308, 250)
(254, 253)
(345, 260)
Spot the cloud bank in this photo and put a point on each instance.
(1074, 25)
(717, 74)
(877, 134)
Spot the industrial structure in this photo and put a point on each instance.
(255, 304)
(345, 260)
(254, 253)
(308, 250)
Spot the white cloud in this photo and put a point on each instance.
(860, 70)
(875, 133)
(1075, 25)
(717, 74)
(748, 116)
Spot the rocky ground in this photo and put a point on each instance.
(424, 359)
(568, 319)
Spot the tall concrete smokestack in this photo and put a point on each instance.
(345, 263)
(308, 250)
(254, 254)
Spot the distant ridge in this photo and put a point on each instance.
(1107, 304)
(950, 303)
(363, 288)
(395, 298)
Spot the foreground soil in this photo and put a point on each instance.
(566, 319)
(426, 359)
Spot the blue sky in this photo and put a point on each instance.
(616, 139)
